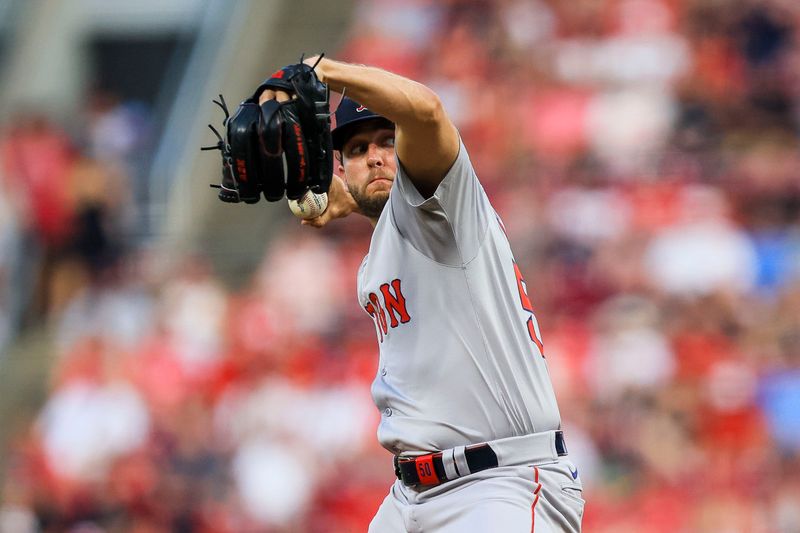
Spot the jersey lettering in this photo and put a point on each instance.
(380, 312)
(525, 301)
(369, 308)
(395, 303)
(390, 301)
(523, 290)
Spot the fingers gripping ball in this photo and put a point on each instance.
(310, 205)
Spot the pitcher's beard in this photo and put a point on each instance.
(370, 206)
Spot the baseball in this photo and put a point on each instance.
(311, 205)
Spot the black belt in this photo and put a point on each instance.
(429, 470)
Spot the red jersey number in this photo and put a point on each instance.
(527, 306)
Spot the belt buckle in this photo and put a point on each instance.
(396, 463)
(423, 468)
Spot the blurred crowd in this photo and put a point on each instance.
(643, 155)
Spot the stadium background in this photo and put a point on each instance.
(168, 363)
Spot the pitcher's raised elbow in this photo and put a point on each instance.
(430, 108)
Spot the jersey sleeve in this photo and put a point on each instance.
(448, 227)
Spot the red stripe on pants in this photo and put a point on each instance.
(536, 499)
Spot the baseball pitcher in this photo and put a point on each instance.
(467, 407)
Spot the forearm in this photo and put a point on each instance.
(405, 102)
(426, 141)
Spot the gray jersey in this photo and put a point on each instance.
(460, 350)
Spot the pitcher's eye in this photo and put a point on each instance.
(389, 142)
(357, 149)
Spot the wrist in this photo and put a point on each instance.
(318, 65)
(330, 72)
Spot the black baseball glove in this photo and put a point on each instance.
(279, 147)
